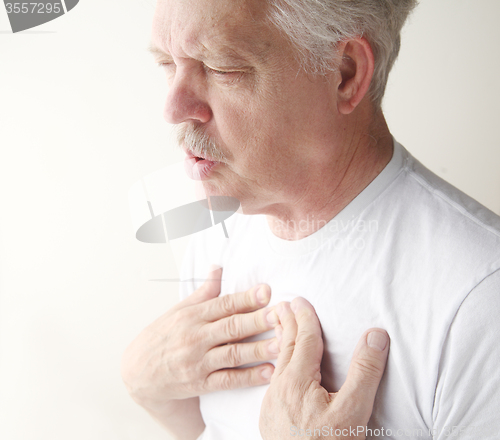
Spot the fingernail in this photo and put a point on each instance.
(273, 347)
(266, 373)
(213, 268)
(272, 318)
(377, 340)
(263, 294)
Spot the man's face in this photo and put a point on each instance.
(234, 79)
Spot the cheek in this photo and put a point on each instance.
(252, 138)
(257, 128)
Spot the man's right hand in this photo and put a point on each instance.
(191, 349)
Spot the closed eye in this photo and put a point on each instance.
(165, 64)
(221, 72)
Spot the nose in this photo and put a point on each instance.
(185, 100)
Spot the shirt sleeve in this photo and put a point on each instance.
(467, 399)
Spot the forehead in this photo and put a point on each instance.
(198, 28)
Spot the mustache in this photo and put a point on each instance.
(199, 142)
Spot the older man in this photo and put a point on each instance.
(279, 106)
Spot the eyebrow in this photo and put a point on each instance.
(226, 55)
(156, 51)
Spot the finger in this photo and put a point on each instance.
(235, 355)
(288, 336)
(308, 351)
(237, 327)
(279, 334)
(365, 372)
(231, 379)
(242, 302)
(207, 291)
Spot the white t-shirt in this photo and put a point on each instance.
(410, 254)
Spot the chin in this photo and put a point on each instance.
(212, 189)
(249, 205)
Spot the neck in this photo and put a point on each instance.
(360, 157)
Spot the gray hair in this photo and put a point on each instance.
(315, 26)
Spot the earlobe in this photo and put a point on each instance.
(356, 69)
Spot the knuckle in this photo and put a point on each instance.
(259, 351)
(284, 312)
(233, 355)
(231, 327)
(253, 377)
(227, 304)
(281, 306)
(368, 370)
(258, 319)
(246, 300)
(249, 298)
(225, 381)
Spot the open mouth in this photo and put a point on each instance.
(197, 167)
(190, 155)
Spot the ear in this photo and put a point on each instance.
(356, 69)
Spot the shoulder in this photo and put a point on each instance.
(434, 239)
(435, 215)
(459, 204)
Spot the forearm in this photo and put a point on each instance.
(181, 418)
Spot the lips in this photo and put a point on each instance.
(191, 155)
(199, 168)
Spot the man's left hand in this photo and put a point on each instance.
(296, 400)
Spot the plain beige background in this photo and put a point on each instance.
(80, 121)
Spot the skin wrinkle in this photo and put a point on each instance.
(336, 196)
(295, 144)
(290, 151)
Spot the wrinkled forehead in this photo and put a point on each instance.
(188, 27)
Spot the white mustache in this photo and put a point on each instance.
(200, 143)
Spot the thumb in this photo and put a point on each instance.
(213, 281)
(365, 372)
(209, 289)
